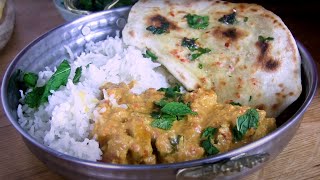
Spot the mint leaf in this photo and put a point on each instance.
(237, 135)
(30, 79)
(209, 148)
(32, 99)
(165, 122)
(77, 75)
(177, 109)
(59, 78)
(209, 132)
(244, 122)
(161, 103)
(39, 95)
(197, 22)
(172, 108)
(172, 92)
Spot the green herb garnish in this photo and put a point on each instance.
(77, 75)
(199, 53)
(164, 122)
(245, 19)
(208, 134)
(30, 79)
(265, 39)
(162, 102)
(190, 43)
(228, 19)
(149, 54)
(250, 98)
(172, 92)
(200, 66)
(209, 148)
(177, 109)
(244, 122)
(171, 108)
(159, 30)
(197, 22)
(193, 47)
(39, 95)
(235, 104)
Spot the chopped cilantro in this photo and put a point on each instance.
(228, 19)
(189, 43)
(193, 47)
(245, 19)
(39, 95)
(244, 122)
(265, 39)
(77, 75)
(200, 66)
(200, 52)
(30, 79)
(149, 54)
(197, 22)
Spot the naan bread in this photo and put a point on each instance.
(241, 67)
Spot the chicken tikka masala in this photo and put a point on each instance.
(167, 126)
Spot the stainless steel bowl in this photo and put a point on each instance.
(48, 49)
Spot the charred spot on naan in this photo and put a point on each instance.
(158, 21)
(261, 106)
(176, 54)
(132, 34)
(229, 34)
(264, 59)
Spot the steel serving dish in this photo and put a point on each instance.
(49, 49)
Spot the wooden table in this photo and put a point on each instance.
(299, 160)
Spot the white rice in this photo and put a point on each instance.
(64, 123)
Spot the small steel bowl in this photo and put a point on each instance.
(48, 49)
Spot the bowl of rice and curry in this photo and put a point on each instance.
(163, 89)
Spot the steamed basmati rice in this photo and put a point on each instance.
(65, 122)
